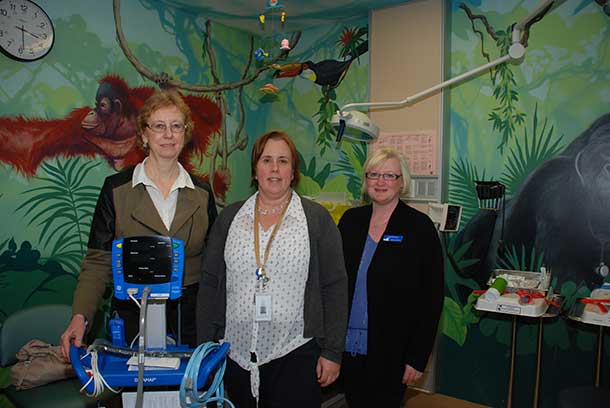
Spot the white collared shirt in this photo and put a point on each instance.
(287, 269)
(166, 207)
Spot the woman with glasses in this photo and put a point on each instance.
(394, 264)
(274, 286)
(156, 197)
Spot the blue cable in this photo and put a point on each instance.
(215, 393)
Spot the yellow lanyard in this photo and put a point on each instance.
(260, 267)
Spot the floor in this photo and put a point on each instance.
(414, 399)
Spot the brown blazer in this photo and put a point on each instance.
(123, 210)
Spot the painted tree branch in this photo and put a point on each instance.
(219, 96)
(492, 33)
(240, 143)
(526, 31)
(210, 52)
(179, 84)
(481, 17)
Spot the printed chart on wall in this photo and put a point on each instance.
(419, 148)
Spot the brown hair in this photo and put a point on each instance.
(164, 99)
(259, 146)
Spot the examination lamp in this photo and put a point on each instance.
(358, 127)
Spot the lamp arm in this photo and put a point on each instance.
(515, 52)
(541, 9)
(423, 94)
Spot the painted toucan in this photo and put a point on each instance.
(327, 72)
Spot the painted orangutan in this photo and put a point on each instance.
(107, 130)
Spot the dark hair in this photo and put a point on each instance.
(259, 146)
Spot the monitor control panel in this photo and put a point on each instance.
(148, 260)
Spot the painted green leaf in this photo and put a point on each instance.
(62, 207)
(471, 315)
(308, 187)
(529, 152)
(335, 184)
(452, 321)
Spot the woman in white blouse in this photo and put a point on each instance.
(274, 286)
(156, 197)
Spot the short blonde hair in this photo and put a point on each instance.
(165, 99)
(378, 158)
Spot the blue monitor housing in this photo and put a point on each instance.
(148, 260)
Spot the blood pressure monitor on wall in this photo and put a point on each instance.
(446, 216)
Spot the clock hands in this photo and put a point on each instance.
(22, 38)
(31, 24)
(23, 30)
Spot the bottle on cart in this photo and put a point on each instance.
(117, 331)
(496, 289)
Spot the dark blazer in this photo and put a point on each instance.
(123, 210)
(404, 288)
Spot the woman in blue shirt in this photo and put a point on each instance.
(394, 264)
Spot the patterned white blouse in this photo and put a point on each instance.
(287, 269)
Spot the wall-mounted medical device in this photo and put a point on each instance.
(446, 216)
(150, 261)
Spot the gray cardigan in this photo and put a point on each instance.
(325, 306)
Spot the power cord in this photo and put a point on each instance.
(141, 348)
(188, 386)
(99, 382)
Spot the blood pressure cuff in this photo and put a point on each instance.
(39, 363)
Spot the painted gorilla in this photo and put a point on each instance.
(561, 211)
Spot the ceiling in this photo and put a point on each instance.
(300, 14)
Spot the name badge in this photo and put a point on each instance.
(392, 238)
(262, 304)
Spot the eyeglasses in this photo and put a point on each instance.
(160, 127)
(386, 176)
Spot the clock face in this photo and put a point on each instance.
(26, 31)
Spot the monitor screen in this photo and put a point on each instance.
(452, 221)
(147, 259)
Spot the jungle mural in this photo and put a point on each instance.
(107, 130)
(67, 121)
(541, 129)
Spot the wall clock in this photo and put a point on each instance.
(26, 31)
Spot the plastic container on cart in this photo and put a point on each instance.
(592, 313)
(523, 279)
(522, 295)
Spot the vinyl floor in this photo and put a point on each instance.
(413, 399)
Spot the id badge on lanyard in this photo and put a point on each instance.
(262, 300)
(263, 306)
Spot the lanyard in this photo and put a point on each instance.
(260, 267)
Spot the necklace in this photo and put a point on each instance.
(272, 210)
